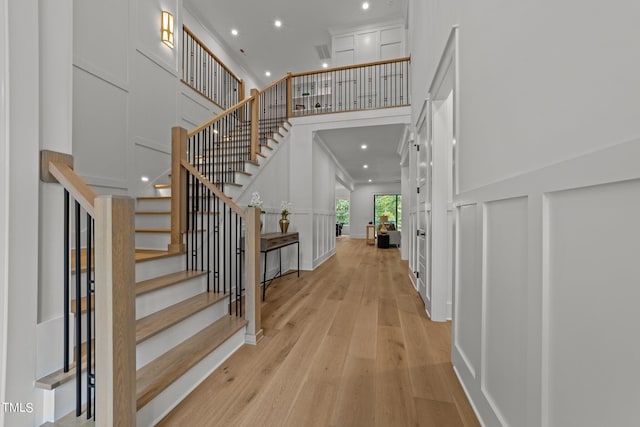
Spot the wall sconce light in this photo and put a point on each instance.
(167, 28)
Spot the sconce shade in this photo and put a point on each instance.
(167, 28)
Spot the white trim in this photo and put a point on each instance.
(4, 183)
(172, 69)
(95, 71)
(151, 145)
(318, 139)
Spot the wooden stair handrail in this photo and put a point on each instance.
(351, 67)
(58, 167)
(204, 46)
(214, 189)
(219, 116)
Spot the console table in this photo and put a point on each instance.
(270, 242)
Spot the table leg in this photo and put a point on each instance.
(298, 259)
(264, 277)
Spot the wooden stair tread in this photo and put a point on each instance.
(153, 213)
(157, 375)
(228, 183)
(143, 255)
(59, 377)
(160, 320)
(266, 146)
(161, 185)
(83, 304)
(165, 230)
(153, 198)
(153, 230)
(166, 280)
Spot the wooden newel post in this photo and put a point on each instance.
(115, 311)
(252, 277)
(178, 189)
(255, 118)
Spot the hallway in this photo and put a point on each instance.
(346, 345)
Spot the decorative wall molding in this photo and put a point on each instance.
(172, 69)
(95, 71)
(151, 145)
(605, 184)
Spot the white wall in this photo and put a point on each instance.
(4, 190)
(545, 233)
(362, 205)
(20, 294)
(324, 203)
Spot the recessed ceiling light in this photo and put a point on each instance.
(268, 73)
(325, 65)
(234, 32)
(278, 23)
(365, 5)
(363, 146)
(365, 166)
(144, 178)
(370, 180)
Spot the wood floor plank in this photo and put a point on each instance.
(348, 344)
(356, 398)
(394, 397)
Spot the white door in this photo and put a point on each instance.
(423, 211)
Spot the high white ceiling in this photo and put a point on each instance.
(305, 24)
(380, 156)
(292, 47)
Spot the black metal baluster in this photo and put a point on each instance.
(89, 295)
(78, 314)
(67, 273)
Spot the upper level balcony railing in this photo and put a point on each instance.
(374, 85)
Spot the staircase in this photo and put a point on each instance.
(184, 327)
(182, 330)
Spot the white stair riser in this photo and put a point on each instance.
(155, 410)
(153, 240)
(163, 191)
(153, 221)
(154, 205)
(159, 344)
(159, 299)
(159, 267)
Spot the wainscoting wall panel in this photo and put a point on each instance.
(504, 316)
(324, 236)
(556, 251)
(99, 129)
(592, 301)
(101, 38)
(467, 323)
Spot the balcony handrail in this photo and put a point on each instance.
(350, 67)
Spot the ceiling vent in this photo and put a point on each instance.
(323, 51)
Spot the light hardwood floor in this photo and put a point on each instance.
(348, 344)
